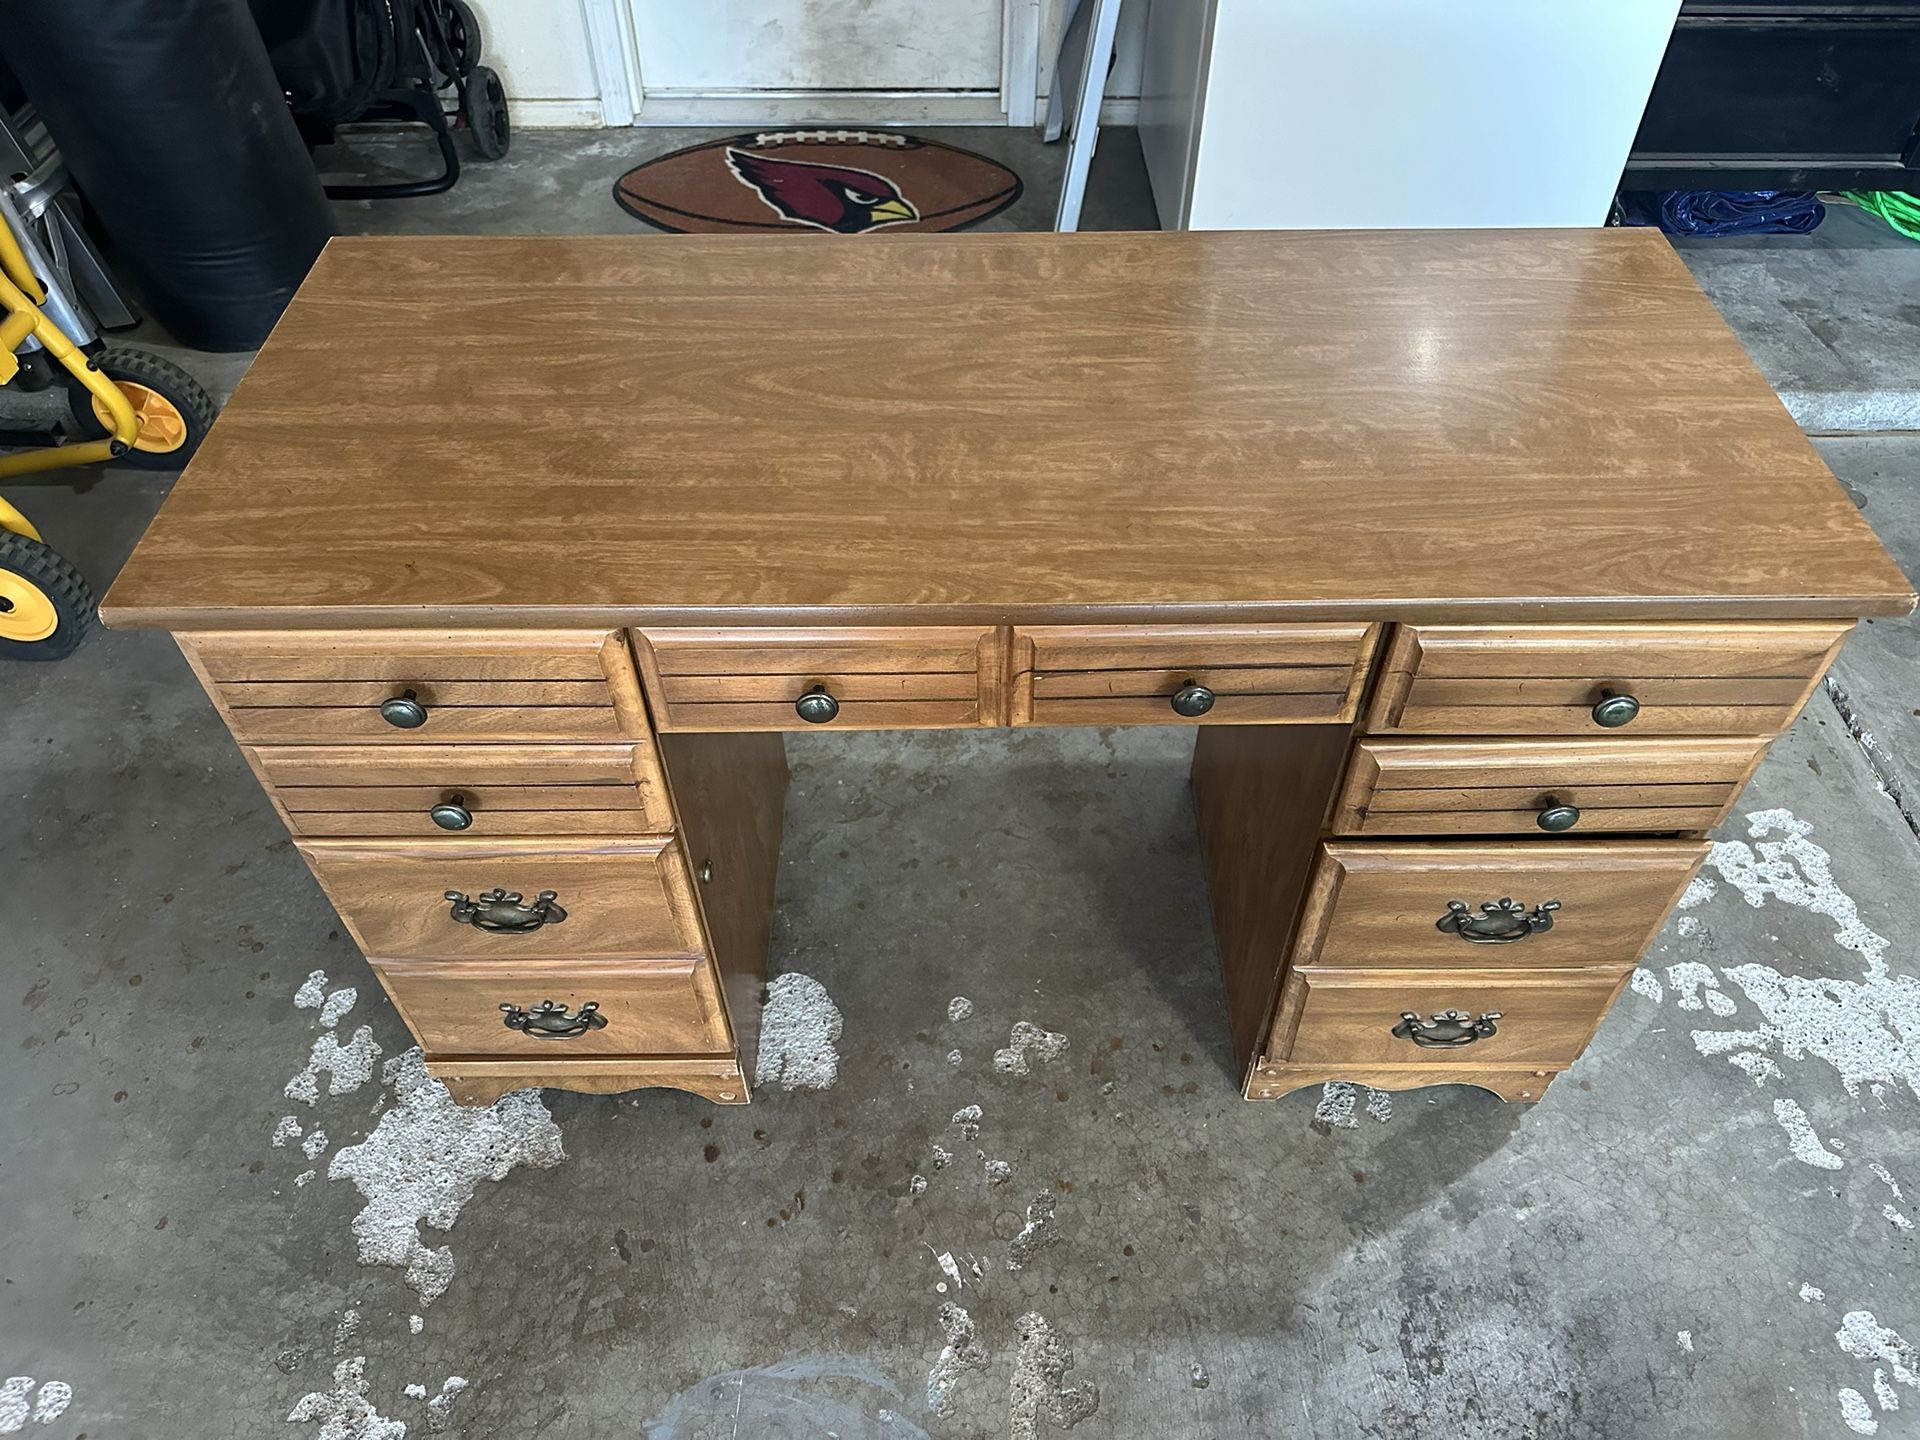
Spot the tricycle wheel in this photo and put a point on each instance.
(46, 607)
(174, 408)
(486, 111)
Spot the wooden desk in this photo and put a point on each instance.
(1484, 566)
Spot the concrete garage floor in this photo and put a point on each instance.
(1706, 1228)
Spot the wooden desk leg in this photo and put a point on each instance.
(730, 791)
(1261, 793)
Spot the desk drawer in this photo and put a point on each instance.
(620, 897)
(1732, 679)
(505, 790)
(1527, 787)
(1381, 903)
(401, 687)
(846, 679)
(1511, 1017)
(1185, 675)
(661, 1007)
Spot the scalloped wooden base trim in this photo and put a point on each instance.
(1521, 1084)
(481, 1082)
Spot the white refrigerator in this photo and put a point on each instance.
(1384, 114)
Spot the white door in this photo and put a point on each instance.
(766, 61)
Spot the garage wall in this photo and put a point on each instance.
(540, 49)
(544, 55)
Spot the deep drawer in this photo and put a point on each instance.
(848, 679)
(662, 1007)
(1511, 1017)
(1527, 787)
(1573, 903)
(1189, 674)
(621, 898)
(1731, 679)
(401, 687)
(504, 790)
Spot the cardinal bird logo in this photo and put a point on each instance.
(829, 197)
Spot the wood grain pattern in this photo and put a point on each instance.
(477, 1080)
(1377, 903)
(661, 1007)
(622, 897)
(1346, 1017)
(1056, 428)
(900, 678)
(1520, 1084)
(1126, 675)
(1494, 787)
(1260, 794)
(1544, 679)
(730, 792)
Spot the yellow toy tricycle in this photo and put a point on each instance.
(68, 398)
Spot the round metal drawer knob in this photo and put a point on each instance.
(1614, 710)
(404, 711)
(452, 813)
(1557, 818)
(816, 707)
(1192, 700)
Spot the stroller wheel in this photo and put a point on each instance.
(175, 411)
(46, 607)
(486, 113)
(463, 35)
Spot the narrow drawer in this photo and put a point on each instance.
(661, 1007)
(1573, 903)
(848, 679)
(1511, 1017)
(405, 687)
(1731, 679)
(1530, 787)
(620, 898)
(1185, 675)
(502, 790)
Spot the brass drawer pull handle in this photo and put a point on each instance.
(404, 711)
(1448, 1030)
(1500, 922)
(1614, 709)
(1192, 700)
(1556, 817)
(504, 912)
(548, 1021)
(452, 813)
(816, 707)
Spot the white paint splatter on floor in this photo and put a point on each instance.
(1884, 1395)
(1040, 1387)
(961, 1353)
(967, 1121)
(998, 1172)
(287, 1129)
(440, 1408)
(799, 1031)
(1886, 1178)
(954, 1058)
(344, 1412)
(1026, 1044)
(314, 1145)
(1811, 1293)
(416, 1391)
(1647, 985)
(1856, 1413)
(305, 1178)
(1041, 1230)
(1756, 1065)
(959, 1008)
(337, 1005)
(1895, 1218)
(348, 1066)
(424, 1160)
(19, 1403)
(416, 1323)
(1684, 1339)
(1696, 987)
(1801, 1139)
(1341, 1099)
(1864, 1338)
(1699, 890)
(312, 993)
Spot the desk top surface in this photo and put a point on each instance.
(1001, 428)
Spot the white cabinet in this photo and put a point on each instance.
(1382, 114)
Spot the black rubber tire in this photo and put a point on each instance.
(50, 573)
(176, 386)
(486, 114)
(463, 35)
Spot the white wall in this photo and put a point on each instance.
(540, 49)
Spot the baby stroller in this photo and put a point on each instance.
(400, 61)
(68, 398)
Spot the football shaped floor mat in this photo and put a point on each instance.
(845, 182)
